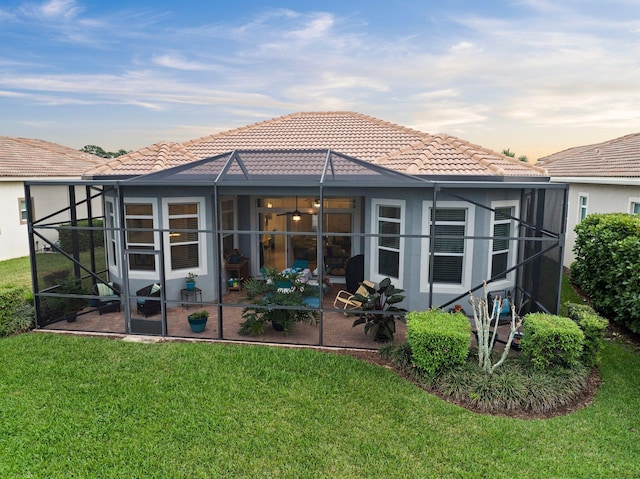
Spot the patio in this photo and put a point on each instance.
(337, 328)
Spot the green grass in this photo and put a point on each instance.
(92, 407)
(568, 295)
(18, 271)
(15, 272)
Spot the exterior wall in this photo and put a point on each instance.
(14, 241)
(13, 233)
(414, 276)
(175, 281)
(601, 199)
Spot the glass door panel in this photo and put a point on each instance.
(147, 312)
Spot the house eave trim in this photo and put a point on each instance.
(599, 180)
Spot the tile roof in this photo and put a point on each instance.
(619, 158)
(30, 158)
(353, 134)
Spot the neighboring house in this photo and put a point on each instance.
(434, 213)
(29, 159)
(602, 178)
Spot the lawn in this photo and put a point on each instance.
(16, 272)
(94, 407)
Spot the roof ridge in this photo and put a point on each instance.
(457, 143)
(405, 149)
(298, 114)
(162, 148)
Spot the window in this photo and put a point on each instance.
(452, 222)
(583, 201)
(184, 245)
(139, 224)
(388, 221)
(22, 208)
(449, 231)
(112, 244)
(502, 250)
(634, 206)
(185, 250)
(228, 223)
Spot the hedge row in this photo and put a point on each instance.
(16, 310)
(607, 266)
(65, 236)
(550, 341)
(593, 327)
(438, 340)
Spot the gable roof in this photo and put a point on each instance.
(26, 157)
(353, 134)
(619, 158)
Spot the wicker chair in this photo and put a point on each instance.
(148, 306)
(109, 297)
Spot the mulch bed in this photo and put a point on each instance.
(614, 331)
(583, 400)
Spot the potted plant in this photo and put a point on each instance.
(198, 320)
(379, 310)
(191, 281)
(276, 300)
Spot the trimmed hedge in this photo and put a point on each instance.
(16, 311)
(593, 327)
(607, 266)
(438, 340)
(64, 236)
(551, 340)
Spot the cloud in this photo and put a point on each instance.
(52, 10)
(178, 62)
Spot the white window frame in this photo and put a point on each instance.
(375, 247)
(512, 249)
(23, 211)
(138, 274)
(583, 207)
(467, 257)
(633, 202)
(182, 272)
(111, 236)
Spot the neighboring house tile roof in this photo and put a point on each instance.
(353, 134)
(30, 158)
(619, 158)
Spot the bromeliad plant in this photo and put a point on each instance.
(277, 299)
(379, 310)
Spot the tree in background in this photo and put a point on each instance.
(98, 151)
(510, 153)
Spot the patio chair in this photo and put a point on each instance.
(109, 297)
(354, 272)
(504, 315)
(300, 264)
(344, 298)
(149, 306)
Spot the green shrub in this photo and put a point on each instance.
(593, 327)
(438, 340)
(65, 236)
(607, 266)
(16, 312)
(551, 341)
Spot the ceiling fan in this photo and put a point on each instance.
(296, 215)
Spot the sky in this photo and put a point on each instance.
(533, 76)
